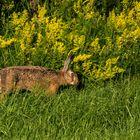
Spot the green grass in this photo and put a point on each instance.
(100, 111)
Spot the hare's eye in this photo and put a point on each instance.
(72, 76)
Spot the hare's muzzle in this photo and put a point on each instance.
(75, 80)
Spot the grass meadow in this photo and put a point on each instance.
(104, 38)
(98, 111)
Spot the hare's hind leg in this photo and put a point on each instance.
(1, 94)
(52, 90)
(4, 93)
(5, 89)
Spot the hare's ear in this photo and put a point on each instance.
(67, 62)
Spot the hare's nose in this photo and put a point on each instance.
(77, 82)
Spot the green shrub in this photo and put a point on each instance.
(102, 47)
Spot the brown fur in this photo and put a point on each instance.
(30, 77)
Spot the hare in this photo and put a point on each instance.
(29, 77)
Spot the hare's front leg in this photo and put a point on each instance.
(2, 96)
(52, 89)
(5, 92)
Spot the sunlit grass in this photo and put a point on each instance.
(101, 111)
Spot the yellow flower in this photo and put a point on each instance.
(111, 61)
(19, 19)
(59, 46)
(41, 12)
(75, 49)
(79, 40)
(39, 38)
(81, 57)
(32, 27)
(95, 45)
(22, 45)
(120, 21)
(119, 42)
(47, 20)
(15, 20)
(71, 36)
(109, 42)
(89, 15)
(54, 29)
(86, 66)
(98, 73)
(135, 34)
(4, 43)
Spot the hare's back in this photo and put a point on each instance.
(27, 72)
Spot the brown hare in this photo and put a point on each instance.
(29, 77)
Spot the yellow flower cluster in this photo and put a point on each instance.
(95, 46)
(110, 62)
(40, 27)
(81, 57)
(41, 12)
(54, 29)
(6, 42)
(19, 19)
(39, 39)
(85, 9)
(24, 30)
(109, 70)
(86, 66)
(127, 23)
(76, 39)
(97, 56)
(59, 47)
(109, 73)
(89, 15)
